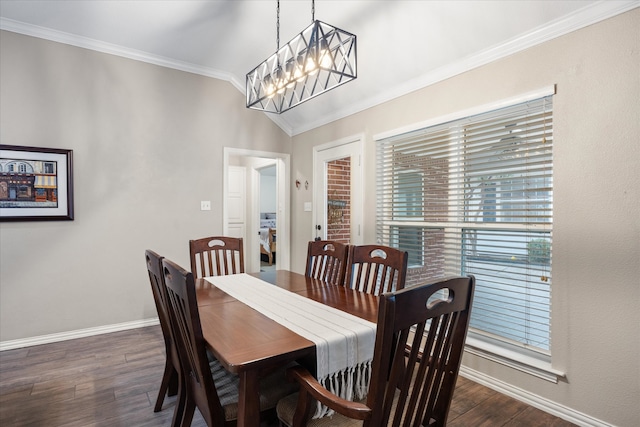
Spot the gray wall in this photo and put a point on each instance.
(596, 235)
(148, 145)
(267, 193)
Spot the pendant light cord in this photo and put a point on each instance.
(313, 19)
(278, 26)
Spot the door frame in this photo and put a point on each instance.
(336, 150)
(283, 196)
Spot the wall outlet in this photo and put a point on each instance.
(205, 205)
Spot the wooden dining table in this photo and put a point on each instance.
(248, 343)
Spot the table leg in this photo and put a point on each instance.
(248, 400)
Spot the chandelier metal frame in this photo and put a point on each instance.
(320, 58)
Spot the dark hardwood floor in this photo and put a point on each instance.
(113, 379)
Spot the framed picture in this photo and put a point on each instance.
(36, 184)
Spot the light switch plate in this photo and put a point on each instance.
(205, 205)
(307, 206)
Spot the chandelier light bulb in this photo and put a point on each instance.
(288, 75)
(271, 90)
(310, 66)
(325, 59)
(318, 59)
(291, 81)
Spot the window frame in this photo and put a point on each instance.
(535, 362)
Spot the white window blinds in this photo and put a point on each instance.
(475, 196)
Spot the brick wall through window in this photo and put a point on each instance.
(339, 200)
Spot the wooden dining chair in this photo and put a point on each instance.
(417, 354)
(169, 383)
(327, 261)
(216, 256)
(205, 383)
(376, 269)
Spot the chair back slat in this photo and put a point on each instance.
(419, 343)
(376, 269)
(420, 338)
(184, 315)
(207, 385)
(327, 261)
(154, 268)
(172, 366)
(216, 256)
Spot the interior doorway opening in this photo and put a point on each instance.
(266, 196)
(338, 209)
(267, 203)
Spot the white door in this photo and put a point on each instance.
(247, 183)
(237, 202)
(338, 210)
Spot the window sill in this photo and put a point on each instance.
(531, 365)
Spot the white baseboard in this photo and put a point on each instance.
(80, 333)
(534, 400)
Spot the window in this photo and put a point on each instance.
(19, 167)
(475, 196)
(408, 206)
(409, 239)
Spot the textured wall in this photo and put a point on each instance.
(148, 145)
(596, 236)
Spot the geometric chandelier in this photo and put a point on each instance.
(315, 61)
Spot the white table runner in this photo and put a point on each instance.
(344, 343)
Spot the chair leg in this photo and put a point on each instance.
(173, 383)
(166, 379)
(181, 402)
(187, 415)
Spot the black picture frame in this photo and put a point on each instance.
(36, 184)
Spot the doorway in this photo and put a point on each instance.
(253, 162)
(337, 191)
(267, 203)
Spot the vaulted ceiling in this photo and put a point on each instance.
(401, 45)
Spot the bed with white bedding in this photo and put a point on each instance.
(268, 235)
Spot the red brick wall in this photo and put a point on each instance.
(436, 209)
(433, 260)
(339, 189)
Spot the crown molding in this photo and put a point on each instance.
(112, 49)
(581, 18)
(136, 55)
(588, 15)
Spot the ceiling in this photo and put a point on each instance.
(401, 45)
